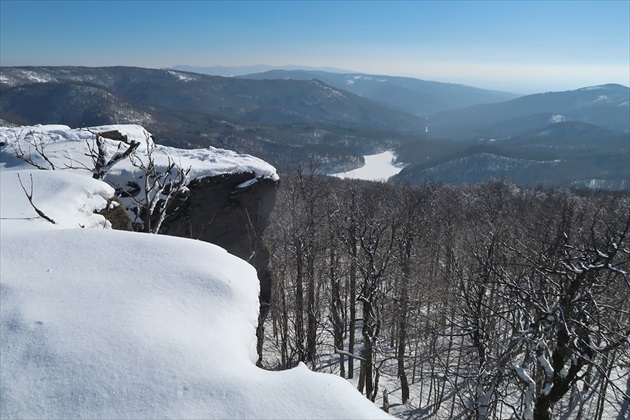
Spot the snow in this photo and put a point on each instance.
(37, 78)
(528, 412)
(184, 77)
(69, 199)
(71, 149)
(544, 363)
(331, 93)
(547, 388)
(97, 323)
(557, 118)
(377, 167)
(67, 147)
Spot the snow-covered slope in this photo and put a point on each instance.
(96, 323)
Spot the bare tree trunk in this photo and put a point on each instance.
(402, 323)
(311, 332)
(624, 412)
(299, 308)
(368, 333)
(336, 310)
(352, 325)
(284, 346)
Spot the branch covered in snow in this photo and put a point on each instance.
(99, 153)
(161, 185)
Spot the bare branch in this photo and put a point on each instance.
(30, 200)
(98, 153)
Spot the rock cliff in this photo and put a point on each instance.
(231, 212)
(222, 197)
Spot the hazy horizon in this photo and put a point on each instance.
(515, 46)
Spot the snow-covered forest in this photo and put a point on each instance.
(483, 301)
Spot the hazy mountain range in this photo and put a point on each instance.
(413, 96)
(443, 132)
(231, 71)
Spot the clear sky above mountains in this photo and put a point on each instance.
(518, 46)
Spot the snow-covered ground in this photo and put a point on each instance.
(68, 148)
(377, 167)
(59, 147)
(96, 323)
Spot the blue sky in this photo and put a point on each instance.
(520, 46)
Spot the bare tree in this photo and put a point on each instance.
(496, 301)
(577, 300)
(161, 185)
(29, 144)
(376, 239)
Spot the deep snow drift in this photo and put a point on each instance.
(107, 324)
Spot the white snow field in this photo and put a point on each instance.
(97, 323)
(377, 167)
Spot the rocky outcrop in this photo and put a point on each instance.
(221, 211)
(117, 215)
(232, 211)
(213, 195)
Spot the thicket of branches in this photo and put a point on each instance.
(485, 301)
(147, 203)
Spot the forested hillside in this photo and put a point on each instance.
(281, 121)
(440, 132)
(484, 301)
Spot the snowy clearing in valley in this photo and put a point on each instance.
(377, 167)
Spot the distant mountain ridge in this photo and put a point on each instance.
(250, 101)
(572, 138)
(84, 104)
(607, 106)
(578, 138)
(233, 71)
(414, 96)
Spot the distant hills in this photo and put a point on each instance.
(232, 71)
(414, 96)
(443, 132)
(578, 138)
(606, 106)
(282, 121)
(245, 100)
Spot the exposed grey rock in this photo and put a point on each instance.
(117, 215)
(217, 210)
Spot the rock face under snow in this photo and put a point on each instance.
(230, 195)
(97, 323)
(223, 211)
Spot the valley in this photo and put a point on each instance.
(440, 132)
(349, 209)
